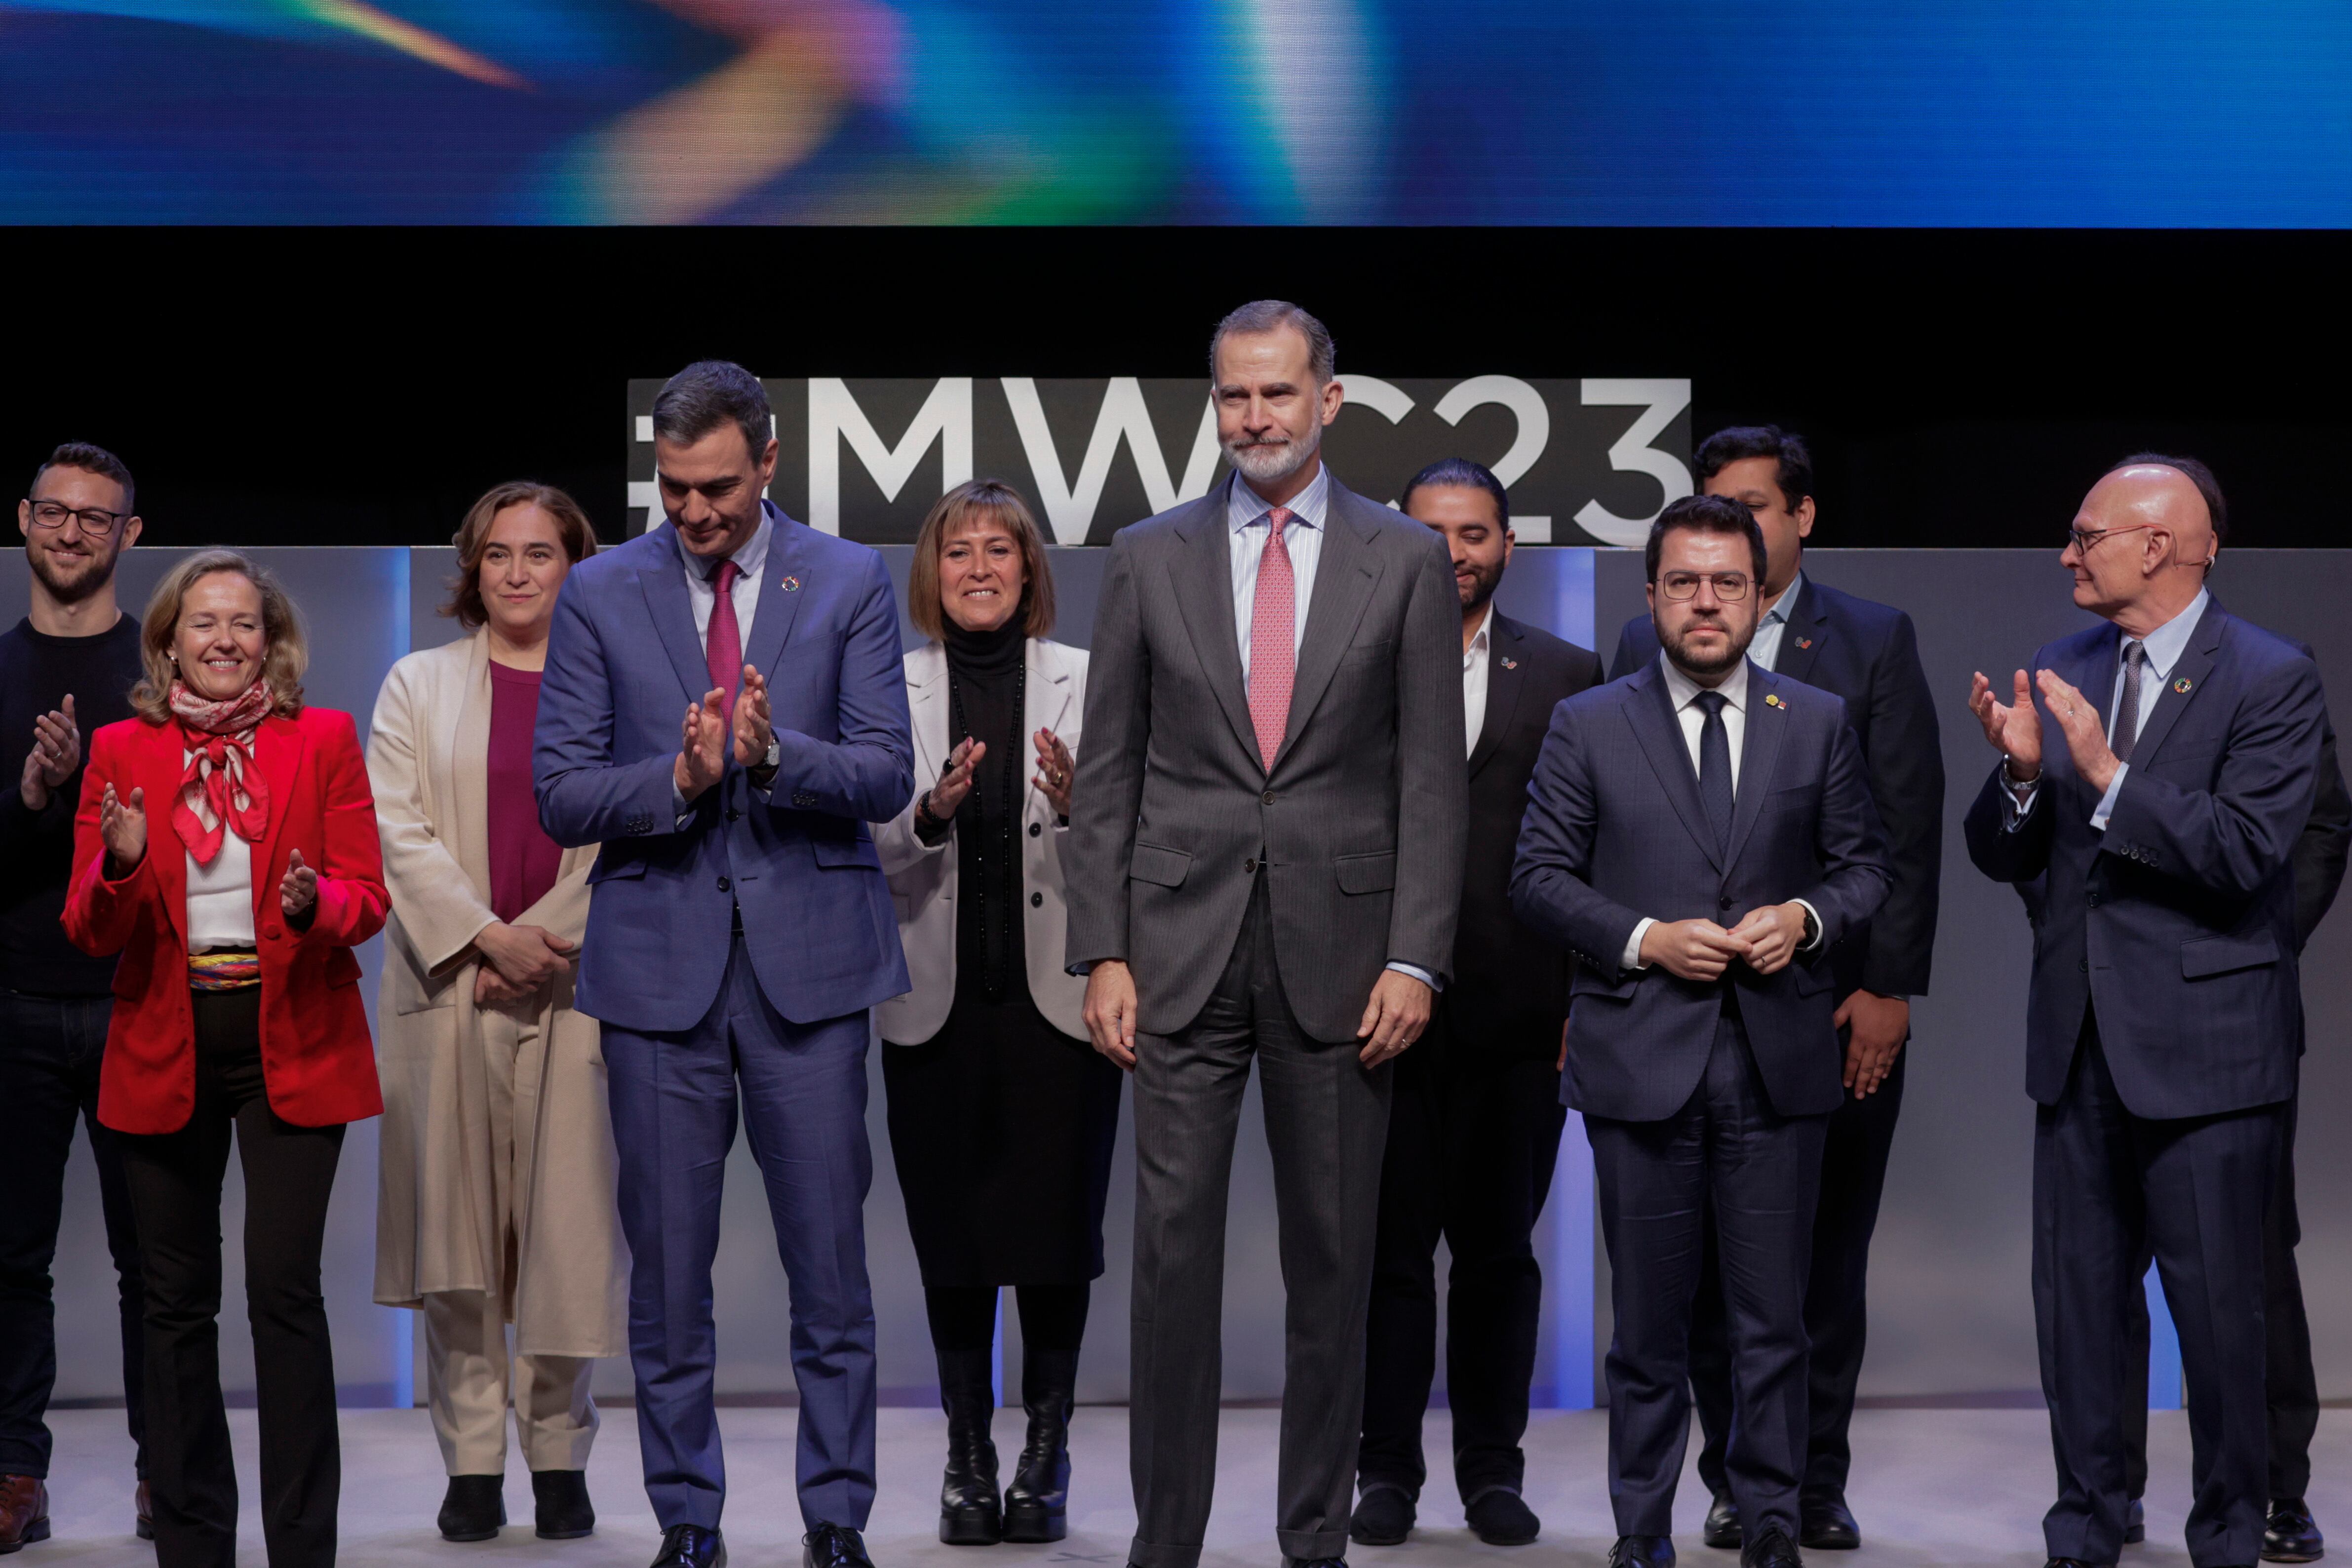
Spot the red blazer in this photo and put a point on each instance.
(315, 1058)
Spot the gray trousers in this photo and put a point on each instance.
(1325, 1125)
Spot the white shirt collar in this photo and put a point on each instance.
(1485, 638)
(1244, 505)
(1685, 691)
(2167, 642)
(751, 558)
(1787, 601)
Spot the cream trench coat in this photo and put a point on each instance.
(438, 1203)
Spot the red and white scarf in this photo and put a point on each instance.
(221, 789)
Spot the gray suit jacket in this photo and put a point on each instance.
(1360, 826)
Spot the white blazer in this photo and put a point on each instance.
(923, 877)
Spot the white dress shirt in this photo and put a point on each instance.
(1764, 652)
(220, 896)
(1683, 692)
(1247, 516)
(2164, 646)
(1475, 660)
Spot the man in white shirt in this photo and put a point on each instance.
(1698, 834)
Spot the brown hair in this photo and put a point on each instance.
(473, 537)
(286, 651)
(971, 501)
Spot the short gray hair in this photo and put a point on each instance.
(1273, 315)
(710, 393)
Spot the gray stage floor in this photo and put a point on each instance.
(1932, 1487)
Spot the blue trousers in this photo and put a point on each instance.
(802, 1092)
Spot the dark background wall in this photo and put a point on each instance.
(1962, 387)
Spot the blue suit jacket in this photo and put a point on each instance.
(1614, 831)
(623, 662)
(1867, 653)
(2178, 924)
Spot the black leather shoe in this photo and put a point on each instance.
(1502, 1518)
(473, 1509)
(561, 1511)
(1722, 1527)
(1825, 1524)
(1643, 1551)
(691, 1546)
(1772, 1549)
(2134, 1524)
(2292, 1535)
(2068, 1561)
(1037, 1503)
(1288, 1562)
(1383, 1516)
(971, 1513)
(144, 1499)
(834, 1546)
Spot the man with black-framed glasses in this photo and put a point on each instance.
(65, 670)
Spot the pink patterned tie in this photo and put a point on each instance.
(723, 647)
(1273, 614)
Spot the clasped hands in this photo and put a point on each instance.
(1394, 1015)
(122, 829)
(517, 961)
(56, 753)
(2014, 730)
(702, 753)
(1701, 950)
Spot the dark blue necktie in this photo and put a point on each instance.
(1715, 768)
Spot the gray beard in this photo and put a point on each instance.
(1267, 465)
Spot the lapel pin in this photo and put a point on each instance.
(1511, 664)
(1772, 700)
(789, 585)
(2181, 685)
(1804, 642)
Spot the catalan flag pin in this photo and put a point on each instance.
(789, 585)
(2181, 685)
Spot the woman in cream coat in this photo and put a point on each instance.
(1001, 1115)
(495, 1203)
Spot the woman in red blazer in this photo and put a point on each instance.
(226, 848)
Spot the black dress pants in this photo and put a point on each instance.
(1472, 1138)
(1837, 1318)
(51, 1048)
(1760, 1172)
(175, 1191)
(2110, 1189)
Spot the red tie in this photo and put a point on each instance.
(1273, 613)
(724, 646)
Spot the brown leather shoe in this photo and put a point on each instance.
(24, 1512)
(146, 1505)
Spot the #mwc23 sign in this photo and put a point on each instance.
(1588, 461)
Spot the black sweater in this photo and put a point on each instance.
(36, 847)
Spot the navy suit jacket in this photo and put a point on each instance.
(2177, 925)
(1867, 653)
(623, 662)
(1615, 831)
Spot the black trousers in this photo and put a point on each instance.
(2291, 1385)
(51, 1048)
(1837, 1321)
(2110, 1189)
(1760, 1172)
(1473, 1137)
(175, 1189)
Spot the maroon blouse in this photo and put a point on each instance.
(523, 859)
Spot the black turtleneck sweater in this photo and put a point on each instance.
(986, 676)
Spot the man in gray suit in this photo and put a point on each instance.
(1265, 861)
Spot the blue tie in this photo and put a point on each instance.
(1715, 768)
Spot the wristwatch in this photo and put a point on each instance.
(1812, 928)
(775, 757)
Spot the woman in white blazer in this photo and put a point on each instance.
(495, 1196)
(1001, 1115)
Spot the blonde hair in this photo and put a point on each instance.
(473, 537)
(972, 501)
(286, 652)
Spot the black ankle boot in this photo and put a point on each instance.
(561, 1507)
(969, 1512)
(1037, 1503)
(473, 1509)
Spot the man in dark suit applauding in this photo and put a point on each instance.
(1867, 654)
(2157, 771)
(1699, 835)
(1475, 1117)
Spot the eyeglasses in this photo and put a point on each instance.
(1731, 587)
(2084, 538)
(96, 520)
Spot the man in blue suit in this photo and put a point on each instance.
(724, 710)
(1868, 654)
(2156, 773)
(1699, 835)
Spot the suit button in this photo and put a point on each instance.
(2084, 964)
(1267, 799)
(725, 885)
(2094, 900)
(733, 815)
(1035, 828)
(1036, 901)
(1249, 867)
(1722, 903)
(272, 932)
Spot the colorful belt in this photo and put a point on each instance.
(224, 971)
